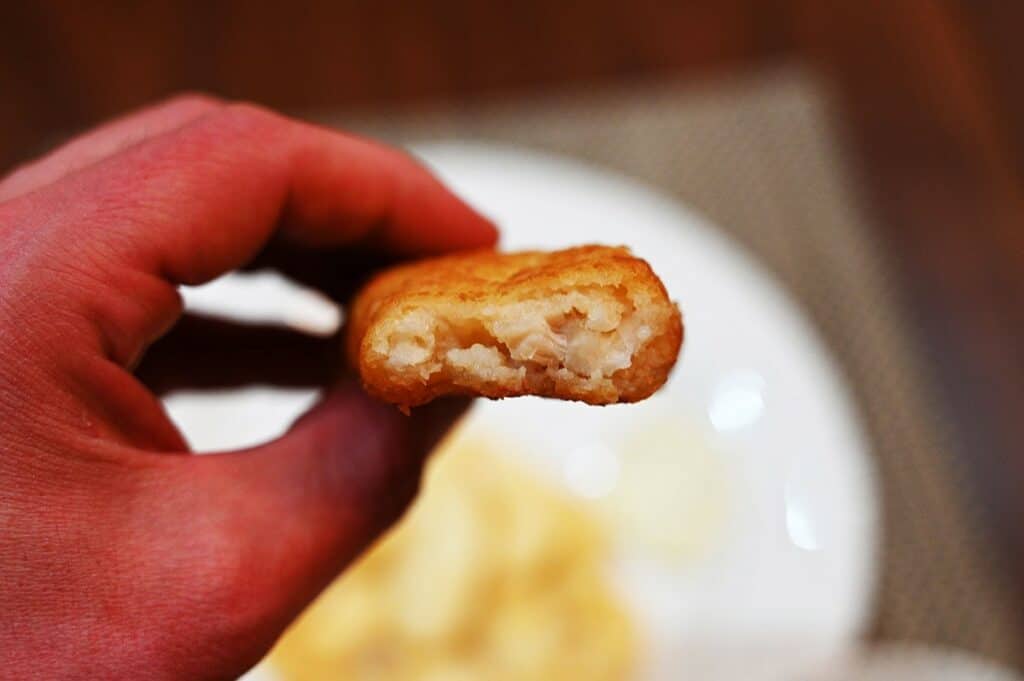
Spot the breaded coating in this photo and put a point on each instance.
(592, 323)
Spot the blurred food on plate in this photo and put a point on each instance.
(494, 574)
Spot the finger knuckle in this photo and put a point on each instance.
(248, 116)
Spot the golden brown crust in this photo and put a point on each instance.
(465, 284)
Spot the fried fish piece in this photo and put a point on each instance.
(592, 323)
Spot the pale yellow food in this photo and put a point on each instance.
(494, 575)
(592, 323)
(672, 497)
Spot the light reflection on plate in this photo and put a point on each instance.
(785, 576)
(738, 401)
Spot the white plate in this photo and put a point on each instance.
(790, 578)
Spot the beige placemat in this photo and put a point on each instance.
(760, 159)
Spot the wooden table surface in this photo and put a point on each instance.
(931, 97)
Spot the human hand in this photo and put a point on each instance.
(122, 556)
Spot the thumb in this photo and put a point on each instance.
(292, 513)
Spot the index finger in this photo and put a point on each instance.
(200, 201)
(189, 205)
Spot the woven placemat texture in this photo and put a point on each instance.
(759, 157)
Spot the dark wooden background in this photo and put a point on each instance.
(931, 97)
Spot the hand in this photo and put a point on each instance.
(122, 556)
